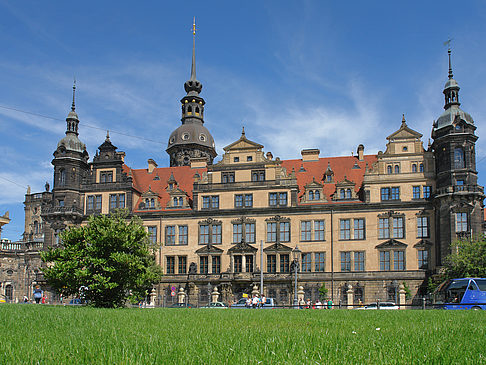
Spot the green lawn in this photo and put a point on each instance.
(77, 335)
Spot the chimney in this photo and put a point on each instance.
(151, 165)
(360, 152)
(269, 155)
(311, 154)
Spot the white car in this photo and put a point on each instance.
(383, 305)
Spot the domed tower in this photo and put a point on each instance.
(192, 139)
(70, 166)
(458, 198)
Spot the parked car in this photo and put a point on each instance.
(240, 303)
(269, 303)
(182, 305)
(220, 305)
(383, 305)
(75, 301)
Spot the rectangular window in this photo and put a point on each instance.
(385, 193)
(272, 199)
(305, 230)
(248, 200)
(284, 263)
(216, 236)
(271, 263)
(113, 201)
(395, 193)
(98, 203)
(282, 199)
(249, 263)
(228, 177)
(385, 260)
(399, 260)
(423, 259)
(258, 175)
(170, 268)
(384, 228)
(203, 264)
(427, 191)
(423, 227)
(250, 232)
(319, 230)
(216, 265)
(284, 231)
(121, 200)
(306, 262)
(344, 229)
(238, 201)
(60, 202)
(203, 234)
(152, 232)
(106, 176)
(182, 235)
(359, 261)
(205, 202)
(237, 263)
(91, 201)
(215, 202)
(359, 229)
(237, 232)
(320, 261)
(416, 192)
(271, 231)
(182, 265)
(398, 231)
(461, 222)
(345, 261)
(170, 235)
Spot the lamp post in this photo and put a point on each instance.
(295, 263)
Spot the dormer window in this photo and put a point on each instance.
(149, 203)
(348, 193)
(178, 201)
(171, 186)
(329, 178)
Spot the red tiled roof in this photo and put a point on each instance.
(341, 167)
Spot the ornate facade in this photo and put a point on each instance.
(361, 223)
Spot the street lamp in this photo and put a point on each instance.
(209, 294)
(295, 264)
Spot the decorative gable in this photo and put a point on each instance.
(150, 200)
(345, 190)
(313, 193)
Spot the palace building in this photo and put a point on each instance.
(369, 225)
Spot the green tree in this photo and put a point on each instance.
(468, 259)
(110, 257)
(323, 291)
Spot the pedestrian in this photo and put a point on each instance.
(308, 304)
(329, 304)
(26, 300)
(264, 300)
(38, 294)
(43, 299)
(255, 301)
(248, 302)
(318, 304)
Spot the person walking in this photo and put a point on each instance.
(38, 294)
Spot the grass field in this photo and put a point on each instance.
(78, 335)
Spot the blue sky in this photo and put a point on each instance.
(303, 74)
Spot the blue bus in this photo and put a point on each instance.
(463, 293)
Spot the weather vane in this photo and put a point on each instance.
(448, 43)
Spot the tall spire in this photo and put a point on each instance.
(450, 65)
(73, 106)
(193, 68)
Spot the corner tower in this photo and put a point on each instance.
(458, 198)
(192, 139)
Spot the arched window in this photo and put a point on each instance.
(342, 194)
(421, 167)
(388, 169)
(197, 110)
(348, 193)
(152, 203)
(62, 177)
(458, 158)
(9, 292)
(329, 178)
(414, 167)
(189, 109)
(317, 195)
(311, 195)
(397, 169)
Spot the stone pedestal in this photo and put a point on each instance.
(255, 291)
(193, 293)
(152, 296)
(350, 297)
(181, 296)
(215, 295)
(401, 297)
(301, 294)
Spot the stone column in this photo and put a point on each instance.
(210, 264)
(401, 296)
(243, 263)
(215, 295)
(181, 296)
(350, 296)
(193, 293)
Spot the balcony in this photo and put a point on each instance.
(460, 189)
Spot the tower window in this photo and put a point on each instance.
(62, 177)
(458, 158)
(189, 109)
(197, 110)
(421, 167)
